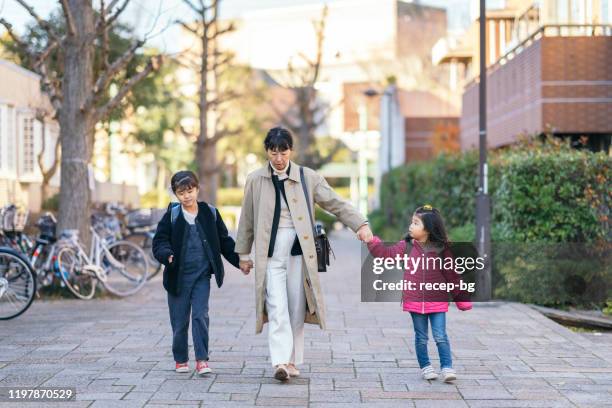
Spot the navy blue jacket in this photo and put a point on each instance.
(168, 240)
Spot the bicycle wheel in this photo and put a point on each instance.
(125, 267)
(145, 241)
(70, 266)
(17, 284)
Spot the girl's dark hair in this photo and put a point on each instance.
(183, 180)
(279, 139)
(433, 224)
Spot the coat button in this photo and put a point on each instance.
(295, 200)
(300, 218)
(311, 256)
(305, 236)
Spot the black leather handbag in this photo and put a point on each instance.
(322, 245)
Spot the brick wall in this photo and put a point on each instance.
(561, 82)
(419, 133)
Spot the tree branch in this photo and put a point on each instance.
(185, 132)
(227, 96)
(222, 133)
(107, 76)
(285, 119)
(230, 27)
(69, 19)
(153, 64)
(104, 21)
(40, 58)
(323, 160)
(14, 37)
(195, 8)
(105, 38)
(117, 13)
(186, 26)
(44, 24)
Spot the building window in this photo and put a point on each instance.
(28, 145)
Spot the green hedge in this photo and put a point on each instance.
(553, 196)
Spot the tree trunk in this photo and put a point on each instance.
(202, 156)
(76, 125)
(209, 180)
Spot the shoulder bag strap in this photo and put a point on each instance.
(305, 188)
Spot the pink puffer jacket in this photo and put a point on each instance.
(414, 300)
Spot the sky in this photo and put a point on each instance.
(154, 18)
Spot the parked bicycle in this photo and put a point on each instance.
(121, 267)
(137, 226)
(44, 254)
(17, 283)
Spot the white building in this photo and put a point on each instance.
(23, 132)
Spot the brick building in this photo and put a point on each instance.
(551, 75)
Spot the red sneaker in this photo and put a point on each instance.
(182, 367)
(202, 368)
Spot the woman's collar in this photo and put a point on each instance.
(280, 172)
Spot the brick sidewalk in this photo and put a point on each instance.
(117, 353)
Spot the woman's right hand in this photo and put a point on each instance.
(170, 259)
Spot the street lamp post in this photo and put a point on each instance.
(483, 203)
(363, 160)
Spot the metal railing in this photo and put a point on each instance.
(549, 30)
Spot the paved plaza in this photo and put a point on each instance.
(117, 353)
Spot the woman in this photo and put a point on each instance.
(275, 216)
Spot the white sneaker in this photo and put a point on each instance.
(448, 375)
(429, 373)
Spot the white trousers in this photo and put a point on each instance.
(285, 301)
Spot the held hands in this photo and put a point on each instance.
(245, 266)
(364, 233)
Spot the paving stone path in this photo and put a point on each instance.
(117, 353)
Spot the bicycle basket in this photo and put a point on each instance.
(14, 219)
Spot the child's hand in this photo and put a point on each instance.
(463, 306)
(364, 233)
(171, 258)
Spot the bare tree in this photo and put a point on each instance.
(308, 112)
(210, 62)
(80, 95)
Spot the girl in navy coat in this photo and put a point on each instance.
(189, 242)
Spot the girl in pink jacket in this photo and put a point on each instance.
(427, 247)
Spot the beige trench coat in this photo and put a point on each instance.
(256, 223)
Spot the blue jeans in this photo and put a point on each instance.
(438, 329)
(192, 299)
